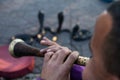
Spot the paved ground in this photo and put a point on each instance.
(20, 16)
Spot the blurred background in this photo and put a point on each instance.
(21, 16)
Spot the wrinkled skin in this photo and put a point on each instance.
(56, 66)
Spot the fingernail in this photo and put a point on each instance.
(42, 41)
(44, 37)
(41, 50)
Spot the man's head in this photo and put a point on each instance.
(105, 47)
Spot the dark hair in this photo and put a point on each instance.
(111, 46)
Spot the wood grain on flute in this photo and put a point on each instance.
(18, 48)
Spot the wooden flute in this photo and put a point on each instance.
(18, 48)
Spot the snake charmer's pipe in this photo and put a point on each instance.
(18, 48)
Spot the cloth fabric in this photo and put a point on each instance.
(39, 78)
(75, 74)
(14, 67)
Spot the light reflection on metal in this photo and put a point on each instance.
(54, 38)
(39, 36)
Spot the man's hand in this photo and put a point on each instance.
(58, 61)
(57, 64)
(52, 45)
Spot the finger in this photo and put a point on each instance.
(48, 56)
(45, 41)
(44, 50)
(47, 49)
(54, 57)
(71, 59)
(62, 54)
(54, 49)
